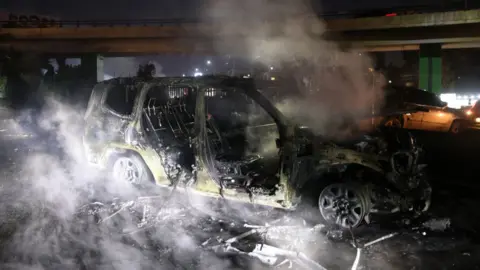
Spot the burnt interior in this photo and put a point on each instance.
(168, 118)
(241, 135)
(245, 152)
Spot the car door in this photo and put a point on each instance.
(436, 118)
(412, 120)
(109, 113)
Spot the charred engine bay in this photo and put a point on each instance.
(187, 233)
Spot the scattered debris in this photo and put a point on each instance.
(360, 247)
(440, 224)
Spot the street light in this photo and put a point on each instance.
(271, 68)
(209, 62)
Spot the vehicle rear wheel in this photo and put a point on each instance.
(130, 169)
(394, 122)
(456, 127)
(343, 204)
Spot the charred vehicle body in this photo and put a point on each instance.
(219, 136)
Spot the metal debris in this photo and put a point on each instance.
(360, 247)
(437, 224)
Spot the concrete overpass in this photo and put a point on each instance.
(428, 33)
(457, 29)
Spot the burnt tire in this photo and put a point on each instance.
(456, 127)
(343, 205)
(131, 169)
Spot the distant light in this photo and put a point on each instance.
(390, 14)
(272, 78)
(478, 96)
(271, 68)
(183, 75)
(370, 69)
(209, 62)
(472, 97)
(196, 69)
(359, 53)
(389, 81)
(197, 74)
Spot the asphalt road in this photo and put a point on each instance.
(43, 227)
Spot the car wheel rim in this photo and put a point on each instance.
(342, 205)
(127, 170)
(456, 128)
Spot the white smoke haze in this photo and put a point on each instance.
(61, 228)
(277, 33)
(55, 182)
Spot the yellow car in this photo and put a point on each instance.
(220, 137)
(427, 111)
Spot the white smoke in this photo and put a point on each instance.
(288, 34)
(55, 222)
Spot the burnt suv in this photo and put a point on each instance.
(220, 137)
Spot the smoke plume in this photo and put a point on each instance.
(337, 82)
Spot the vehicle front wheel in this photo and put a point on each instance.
(130, 169)
(456, 127)
(343, 204)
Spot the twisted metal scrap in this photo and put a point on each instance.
(361, 247)
(265, 253)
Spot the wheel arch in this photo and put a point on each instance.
(463, 123)
(321, 178)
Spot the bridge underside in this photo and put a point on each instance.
(130, 41)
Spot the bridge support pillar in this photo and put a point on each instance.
(430, 67)
(92, 66)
